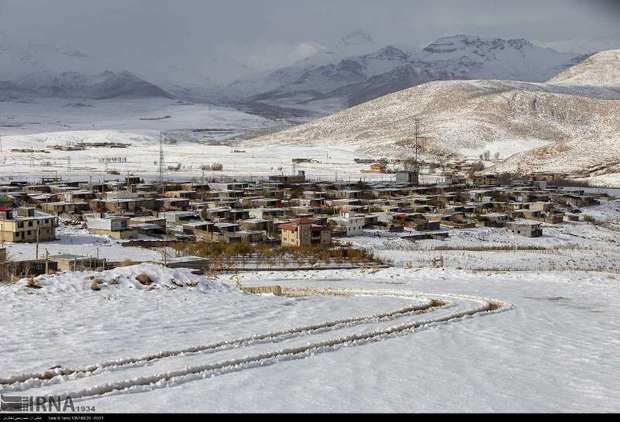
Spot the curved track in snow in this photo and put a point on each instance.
(451, 308)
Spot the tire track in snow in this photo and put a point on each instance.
(26, 381)
(188, 374)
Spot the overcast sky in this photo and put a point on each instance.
(259, 32)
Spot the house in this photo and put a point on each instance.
(526, 228)
(174, 203)
(494, 219)
(178, 218)
(78, 196)
(482, 179)
(181, 194)
(58, 208)
(250, 236)
(216, 214)
(408, 177)
(349, 224)
(116, 227)
(378, 167)
(554, 217)
(148, 225)
(26, 225)
(257, 224)
(223, 232)
(121, 205)
(289, 180)
(266, 213)
(303, 232)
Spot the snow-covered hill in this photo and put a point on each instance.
(328, 82)
(600, 70)
(549, 126)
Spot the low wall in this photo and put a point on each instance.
(275, 290)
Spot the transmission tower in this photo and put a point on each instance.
(417, 143)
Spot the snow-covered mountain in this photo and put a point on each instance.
(19, 57)
(345, 81)
(326, 61)
(29, 70)
(534, 126)
(104, 85)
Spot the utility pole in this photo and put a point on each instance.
(37, 247)
(161, 162)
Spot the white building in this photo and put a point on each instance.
(114, 226)
(350, 224)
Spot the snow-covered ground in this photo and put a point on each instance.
(550, 347)
(143, 114)
(198, 130)
(568, 246)
(76, 241)
(142, 158)
(407, 338)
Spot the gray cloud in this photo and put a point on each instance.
(190, 33)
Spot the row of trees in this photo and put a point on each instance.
(239, 254)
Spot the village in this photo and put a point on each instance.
(283, 213)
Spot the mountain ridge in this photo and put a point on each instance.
(542, 126)
(348, 81)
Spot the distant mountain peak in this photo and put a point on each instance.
(389, 52)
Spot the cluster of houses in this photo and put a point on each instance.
(287, 210)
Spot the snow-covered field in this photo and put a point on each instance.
(144, 114)
(142, 158)
(46, 123)
(169, 347)
(75, 241)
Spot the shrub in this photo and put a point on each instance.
(32, 284)
(144, 279)
(589, 219)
